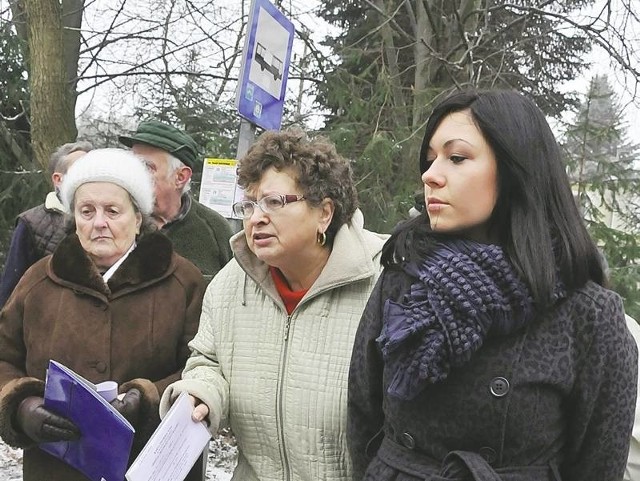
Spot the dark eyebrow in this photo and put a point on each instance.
(451, 141)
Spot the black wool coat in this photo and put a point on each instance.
(553, 401)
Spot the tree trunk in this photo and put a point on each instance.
(423, 61)
(72, 11)
(52, 118)
(390, 53)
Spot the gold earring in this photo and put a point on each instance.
(321, 238)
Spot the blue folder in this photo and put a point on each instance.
(102, 452)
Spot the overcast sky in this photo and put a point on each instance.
(304, 16)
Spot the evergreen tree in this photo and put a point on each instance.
(395, 58)
(603, 165)
(22, 183)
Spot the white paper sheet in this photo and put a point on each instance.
(173, 448)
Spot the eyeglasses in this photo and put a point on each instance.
(268, 204)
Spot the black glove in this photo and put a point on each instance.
(129, 406)
(42, 425)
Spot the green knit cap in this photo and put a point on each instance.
(165, 137)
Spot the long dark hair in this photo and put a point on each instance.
(535, 219)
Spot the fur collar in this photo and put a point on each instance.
(151, 260)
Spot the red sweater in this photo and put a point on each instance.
(289, 297)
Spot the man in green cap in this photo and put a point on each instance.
(198, 233)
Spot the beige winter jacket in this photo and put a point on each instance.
(281, 381)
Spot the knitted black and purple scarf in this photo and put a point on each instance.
(466, 291)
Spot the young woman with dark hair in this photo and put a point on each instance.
(489, 349)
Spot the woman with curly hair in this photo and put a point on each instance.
(271, 356)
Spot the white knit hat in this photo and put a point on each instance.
(118, 166)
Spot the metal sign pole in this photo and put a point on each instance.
(246, 137)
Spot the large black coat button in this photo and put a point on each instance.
(407, 441)
(499, 386)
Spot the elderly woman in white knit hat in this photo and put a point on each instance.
(113, 302)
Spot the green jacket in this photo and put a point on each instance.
(201, 235)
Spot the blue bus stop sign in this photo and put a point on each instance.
(265, 66)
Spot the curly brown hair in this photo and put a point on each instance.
(320, 171)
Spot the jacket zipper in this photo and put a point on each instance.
(280, 403)
(286, 329)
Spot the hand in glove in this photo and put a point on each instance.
(129, 405)
(42, 425)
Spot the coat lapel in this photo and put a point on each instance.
(149, 261)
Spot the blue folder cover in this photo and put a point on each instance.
(102, 452)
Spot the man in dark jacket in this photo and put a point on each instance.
(198, 233)
(39, 230)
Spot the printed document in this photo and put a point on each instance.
(174, 447)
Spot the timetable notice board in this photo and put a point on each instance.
(219, 188)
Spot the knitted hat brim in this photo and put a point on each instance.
(116, 166)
